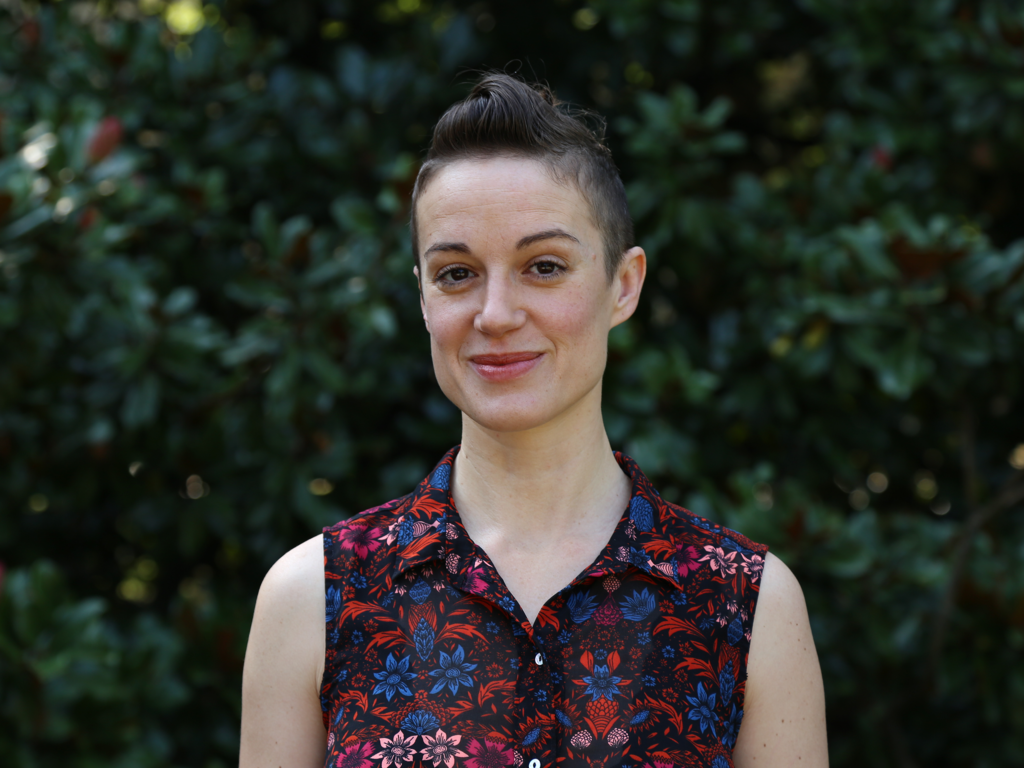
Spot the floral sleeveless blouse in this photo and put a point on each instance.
(641, 661)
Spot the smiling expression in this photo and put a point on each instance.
(515, 293)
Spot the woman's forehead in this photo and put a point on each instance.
(500, 196)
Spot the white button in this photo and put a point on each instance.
(535, 763)
(539, 661)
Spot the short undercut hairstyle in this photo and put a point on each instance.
(506, 117)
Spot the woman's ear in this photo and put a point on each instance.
(423, 308)
(629, 280)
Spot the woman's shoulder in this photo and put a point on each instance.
(287, 585)
(685, 526)
(374, 517)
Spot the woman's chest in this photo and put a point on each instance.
(617, 671)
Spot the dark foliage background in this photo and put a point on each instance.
(210, 344)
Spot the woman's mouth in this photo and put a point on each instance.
(505, 367)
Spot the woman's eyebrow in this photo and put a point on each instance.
(547, 234)
(446, 247)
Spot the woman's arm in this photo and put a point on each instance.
(282, 725)
(784, 710)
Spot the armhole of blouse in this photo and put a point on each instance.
(754, 594)
(326, 684)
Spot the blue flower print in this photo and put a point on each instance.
(643, 638)
(600, 654)
(602, 683)
(423, 637)
(531, 737)
(405, 532)
(420, 592)
(394, 676)
(357, 580)
(726, 541)
(641, 513)
(649, 681)
(357, 636)
(735, 630)
(668, 652)
(726, 683)
(707, 622)
(720, 762)
(731, 728)
(639, 558)
(703, 710)
(492, 627)
(679, 598)
(556, 678)
(582, 607)
(454, 672)
(541, 695)
(514, 663)
(563, 719)
(419, 722)
(441, 476)
(333, 603)
(508, 604)
(640, 717)
(564, 636)
(639, 606)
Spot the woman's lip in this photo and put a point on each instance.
(505, 359)
(505, 367)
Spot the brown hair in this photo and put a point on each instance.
(505, 116)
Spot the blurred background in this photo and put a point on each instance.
(210, 344)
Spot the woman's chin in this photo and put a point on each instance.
(509, 417)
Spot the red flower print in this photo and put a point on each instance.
(489, 754)
(360, 539)
(354, 756)
(686, 559)
(627, 643)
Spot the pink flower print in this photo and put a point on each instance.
(686, 560)
(359, 539)
(475, 581)
(752, 566)
(442, 748)
(718, 560)
(354, 756)
(608, 614)
(489, 754)
(397, 750)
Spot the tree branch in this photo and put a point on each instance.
(1009, 494)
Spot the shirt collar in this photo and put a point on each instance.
(429, 529)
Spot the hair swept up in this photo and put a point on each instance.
(505, 116)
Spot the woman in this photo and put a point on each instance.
(534, 600)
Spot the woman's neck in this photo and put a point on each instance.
(537, 486)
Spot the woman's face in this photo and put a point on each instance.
(515, 294)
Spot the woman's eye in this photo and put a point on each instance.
(547, 267)
(456, 274)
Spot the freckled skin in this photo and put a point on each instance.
(504, 303)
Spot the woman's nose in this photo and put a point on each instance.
(500, 313)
